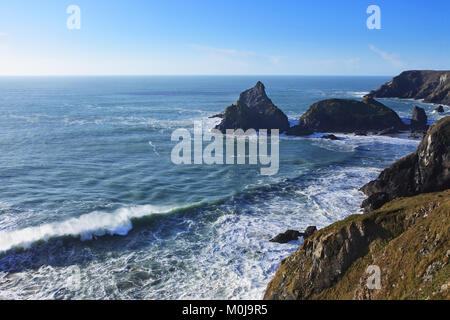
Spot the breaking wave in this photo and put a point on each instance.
(86, 227)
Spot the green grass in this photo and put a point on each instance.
(402, 252)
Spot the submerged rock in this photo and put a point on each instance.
(285, 237)
(426, 170)
(419, 119)
(432, 86)
(342, 115)
(439, 109)
(253, 110)
(330, 137)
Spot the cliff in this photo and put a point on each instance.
(426, 170)
(408, 239)
(405, 234)
(432, 86)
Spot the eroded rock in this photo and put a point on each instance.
(253, 110)
(426, 170)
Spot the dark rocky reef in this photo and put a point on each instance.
(431, 86)
(287, 236)
(439, 109)
(253, 110)
(292, 235)
(341, 115)
(419, 119)
(426, 170)
(330, 137)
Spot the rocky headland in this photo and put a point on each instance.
(405, 235)
(404, 230)
(431, 86)
(426, 170)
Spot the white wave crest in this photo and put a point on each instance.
(87, 226)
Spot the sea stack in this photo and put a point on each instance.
(419, 119)
(253, 110)
(342, 115)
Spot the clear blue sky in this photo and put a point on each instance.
(314, 37)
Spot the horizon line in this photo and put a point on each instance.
(196, 75)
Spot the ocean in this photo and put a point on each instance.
(92, 207)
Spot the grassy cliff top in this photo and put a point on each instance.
(407, 238)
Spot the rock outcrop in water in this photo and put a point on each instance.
(419, 119)
(439, 109)
(342, 115)
(292, 235)
(431, 86)
(253, 110)
(330, 137)
(287, 236)
(426, 170)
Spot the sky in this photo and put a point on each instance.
(223, 37)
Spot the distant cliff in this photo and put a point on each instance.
(431, 86)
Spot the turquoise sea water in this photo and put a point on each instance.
(91, 205)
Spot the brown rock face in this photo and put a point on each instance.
(432, 86)
(319, 262)
(253, 110)
(426, 170)
(407, 240)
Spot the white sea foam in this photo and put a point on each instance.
(210, 123)
(352, 141)
(87, 226)
(230, 256)
(358, 94)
